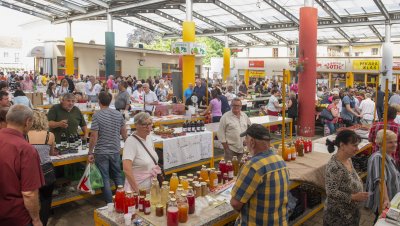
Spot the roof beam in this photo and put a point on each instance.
(238, 40)
(25, 10)
(328, 9)
(382, 8)
(341, 32)
(68, 5)
(138, 25)
(283, 11)
(258, 39)
(376, 32)
(158, 24)
(216, 39)
(110, 10)
(236, 13)
(174, 19)
(204, 19)
(47, 8)
(100, 3)
(280, 38)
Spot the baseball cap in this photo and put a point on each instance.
(257, 131)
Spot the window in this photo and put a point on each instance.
(292, 51)
(374, 51)
(16, 57)
(5, 54)
(358, 54)
(274, 52)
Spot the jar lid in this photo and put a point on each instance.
(165, 182)
(183, 195)
(203, 183)
(159, 206)
(173, 199)
(171, 192)
(120, 186)
(129, 192)
(197, 185)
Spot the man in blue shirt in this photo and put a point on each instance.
(200, 89)
(188, 92)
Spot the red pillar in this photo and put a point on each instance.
(307, 78)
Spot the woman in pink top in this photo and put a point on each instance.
(214, 107)
(27, 84)
(334, 109)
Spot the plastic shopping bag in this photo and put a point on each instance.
(96, 181)
(91, 179)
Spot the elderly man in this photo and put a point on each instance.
(149, 99)
(188, 92)
(108, 124)
(231, 125)
(20, 171)
(260, 193)
(65, 118)
(200, 90)
(4, 99)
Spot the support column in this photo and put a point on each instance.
(387, 58)
(308, 77)
(227, 60)
(69, 52)
(110, 48)
(188, 35)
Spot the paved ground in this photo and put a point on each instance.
(367, 219)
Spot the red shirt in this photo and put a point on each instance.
(390, 126)
(19, 171)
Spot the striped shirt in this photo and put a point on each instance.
(392, 179)
(263, 186)
(108, 122)
(391, 125)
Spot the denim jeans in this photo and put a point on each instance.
(332, 127)
(109, 166)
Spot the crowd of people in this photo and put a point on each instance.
(260, 194)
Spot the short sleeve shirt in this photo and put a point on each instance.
(74, 117)
(19, 171)
(141, 161)
(216, 107)
(262, 186)
(149, 98)
(108, 122)
(121, 100)
(346, 114)
(271, 102)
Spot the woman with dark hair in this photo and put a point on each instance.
(214, 107)
(344, 188)
(21, 98)
(334, 109)
(51, 92)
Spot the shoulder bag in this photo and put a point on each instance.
(160, 177)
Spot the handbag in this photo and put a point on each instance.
(326, 114)
(160, 176)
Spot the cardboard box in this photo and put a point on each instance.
(37, 99)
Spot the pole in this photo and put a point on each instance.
(382, 191)
(376, 95)
(283, 109)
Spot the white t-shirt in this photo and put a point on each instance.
(97, 89)
(149, 98)
(141, 161)
(271, 102)
(80, 87)
(87, 89)
(367, 108)
(137, 96)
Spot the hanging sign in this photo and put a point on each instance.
(396, 65)
(188, 48)
(256, 63)
(370, 65)
(253, 73)
(293, 62)
(326, 65)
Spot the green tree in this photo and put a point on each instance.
(213, 47)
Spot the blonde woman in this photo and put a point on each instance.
(392, 175)
(44, 142)
(63, 88)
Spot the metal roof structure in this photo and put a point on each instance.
(245, 22)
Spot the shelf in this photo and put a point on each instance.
(73, 196)
(308, 214)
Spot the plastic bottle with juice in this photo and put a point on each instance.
(184, 182)
(172, 213)
(183, 209)
(173, 182)
(222, 166)
(164, 193)
(119, 199)
(155, 194)
(191, 200)
(229, 169)
(213, 178)
(204, 173)
(293, 151)
(235, 163)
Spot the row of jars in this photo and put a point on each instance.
(293, 149)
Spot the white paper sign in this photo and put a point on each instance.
(187, 149)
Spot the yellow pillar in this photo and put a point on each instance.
(246, 77)
(349, 79)
(227, 63)
(69, 56)
(287, 76)
(188, 61)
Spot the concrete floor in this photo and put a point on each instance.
(80, 213)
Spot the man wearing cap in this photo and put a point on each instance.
(231, 124)
(260, 193)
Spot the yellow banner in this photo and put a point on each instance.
(256, 73)
(69, 56)
(227, 63)
(369, 65)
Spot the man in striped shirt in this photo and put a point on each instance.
(260, 193)
(107, 125)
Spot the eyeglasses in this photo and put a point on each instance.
(147, 124)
